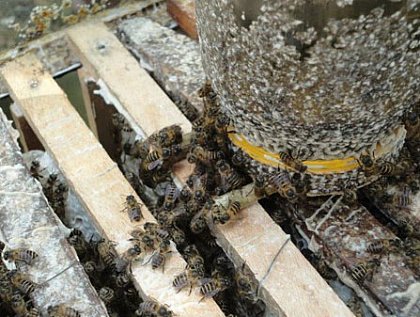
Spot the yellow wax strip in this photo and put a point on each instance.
(272, 159)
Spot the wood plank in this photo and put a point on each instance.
(146, 103)
(94, 177)
(298, 279)
(27, 137)
(292, 287)
(183, 12)
(173, 58)
(27, 221)
(89, 106)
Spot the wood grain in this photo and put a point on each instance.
(183, 12)
(146, 103)
(94, 177)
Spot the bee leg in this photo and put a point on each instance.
(189, 293)
(202, 298)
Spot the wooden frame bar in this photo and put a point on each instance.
(94, 177)
(292, 287)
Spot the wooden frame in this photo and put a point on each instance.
(303, 292)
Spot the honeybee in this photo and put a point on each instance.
(62, 310)
(371, 167)
(122, 280)
(153, 160)
(18, 304)
(151, 307)
(199, 221)
(20, 255)
(245, 285)
(194, 260)
(170, 135)
(402, 199)
(238, 159)
(260, 185)
(155, 230)
(169, 218)
(198, 153)
(364, 270)
(107, 252)
(185, 194)
(159, 257)
(172, 153)
(35, 169)
(77, 240)
(190, 277)
(91, 268)
(350, 197)
(6, 290)
(21, 281)
(133, 208)
(382, 245)
(282, 184)
(171, 195)
(178, 236)
(128, 257)
(33, 312)
(214, 285)
(189, 111)
(230, 178)
(222, 215)
(107, 295)
(294, 164)
(206, 90)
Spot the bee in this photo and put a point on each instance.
(153, 160)
(230, 178)
(222, 215)
(6, 290)
(107, 252)
(371, 167)
(170, 135)
(159, 257)
(206, 90)
(171, 195)
(21, 281)
(188, 110)
(245, 285)
(129, 256)
(172, 152)
(382, 245)
(77, 240)
(189, 277)
(178, 236)
(18, 304)
(214, 285)
(91, 268)
(350, 197)
(260, 185)
(133, 208)
(195, 261)
(185, 194)
(151, 307)
(33, 312)
(364, 270)
(20, 255)
(62, 311)
(238, 159)
(199, 154)
(107, 295)
(291, 162)
(122, 280)
(155, 230)
(199, 221)
(282, 184)
(403, 199)
(35, 169)
(169, 218)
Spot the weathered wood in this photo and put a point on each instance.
(27, 137)
(87, 100)
(28, 222)
(94, 177)
(173, 58)
(183, 12)
(256, 232)
(292, 287)
(342, 235)
(146, 103)
(53, 50)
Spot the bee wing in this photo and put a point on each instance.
(154, 165)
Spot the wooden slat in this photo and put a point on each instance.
(27, 221)
(93, 176)
(89, 107)
(146, 103)
(174, 58)
(293, 287)
(183, 12)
